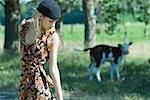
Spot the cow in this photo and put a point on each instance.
(102, 53)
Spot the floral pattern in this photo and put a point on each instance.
(35, 83)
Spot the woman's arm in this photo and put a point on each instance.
(54, 71)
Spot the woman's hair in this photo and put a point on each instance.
(37, 21)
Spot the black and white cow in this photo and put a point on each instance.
(102, 53)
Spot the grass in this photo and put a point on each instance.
(136, 84)
(74, 74)
(1, 31)
(134, 33)
(9, 70)
(74, 67)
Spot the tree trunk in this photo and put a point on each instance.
(145, 29)
(12, 18)
(125, 32)
(71, 29)
(90, 23)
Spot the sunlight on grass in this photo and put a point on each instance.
(77, 32)
(135, 33)
(133, 96)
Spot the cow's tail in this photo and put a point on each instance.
(87, 49)
(81, 50)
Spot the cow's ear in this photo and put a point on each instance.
(130, 43)
(119, 45)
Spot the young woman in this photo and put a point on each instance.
(38, 43)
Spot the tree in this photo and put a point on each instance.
(109, 12)
(66, 6)
(141, 12)
(12, 18)
(90, 23)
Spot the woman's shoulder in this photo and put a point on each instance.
(24, 25)
(55, 38)
(26, 22)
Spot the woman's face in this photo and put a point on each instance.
(47, 23)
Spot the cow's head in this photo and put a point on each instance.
(124, 47)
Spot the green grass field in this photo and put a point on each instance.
(135, 73)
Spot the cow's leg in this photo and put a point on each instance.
(91, 69)
(103, 58)
(117, 68)
(98, 76)
(112, 68)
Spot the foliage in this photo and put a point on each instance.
(27, 8)
(68, 5)
(109, 11)
(2, 15)
(141, 10)
(113, 12)
(74, 16)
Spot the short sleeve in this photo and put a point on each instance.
(24, 27)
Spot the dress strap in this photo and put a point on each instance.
(50, 81)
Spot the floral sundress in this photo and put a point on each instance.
(35, 83)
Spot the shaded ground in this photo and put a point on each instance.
(76, 85)
(10, 94)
